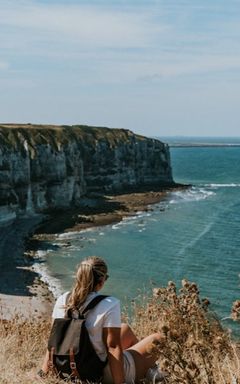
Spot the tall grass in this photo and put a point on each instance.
(194, 348)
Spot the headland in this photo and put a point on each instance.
(61, 178)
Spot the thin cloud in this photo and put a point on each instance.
(191, 66)
(104, 56)
(3, 65)
(88, 25)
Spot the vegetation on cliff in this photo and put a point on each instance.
(194, 348)
(12, 135)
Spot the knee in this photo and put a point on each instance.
(128, 338)
(126, 330)
(125, 327)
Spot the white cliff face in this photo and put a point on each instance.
(136, 162)
(43, 167)
(57, 176)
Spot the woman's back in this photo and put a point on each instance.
(128, 359)
(105, 314)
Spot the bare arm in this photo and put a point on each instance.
(44, 366)
(112, 340)
(42, 373)
(45, 362)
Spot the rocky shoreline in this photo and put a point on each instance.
(29, 296)
(98, 211)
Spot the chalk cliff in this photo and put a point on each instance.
(46, 167)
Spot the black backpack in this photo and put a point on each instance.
(71, 353)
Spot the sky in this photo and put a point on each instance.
(156, 67)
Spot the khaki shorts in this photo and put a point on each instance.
(129, 370)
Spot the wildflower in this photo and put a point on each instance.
(174, 334)
(165, 329)
(156, 292)
(235, 313)
(185, 283)
(171, 284)
(165, 363)
(194, 288)
(205, 303)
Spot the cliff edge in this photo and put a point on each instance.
(45, 167)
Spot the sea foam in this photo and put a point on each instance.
(41, 268)
(192, 194)
(230, 185)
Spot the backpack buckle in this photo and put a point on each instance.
(73, 365)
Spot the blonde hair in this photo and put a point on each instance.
(90, 272)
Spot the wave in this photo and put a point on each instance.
(131, 219)
(53, 284)
(197, 238)
(192, 194)
(41, 268)
(201, 192)
(230, 185)
(73, 234)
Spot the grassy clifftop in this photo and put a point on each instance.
(12, 135)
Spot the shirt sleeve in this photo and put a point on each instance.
(59, 307)
(112, 317)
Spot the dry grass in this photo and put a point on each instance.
(194, 346)
(193, 349)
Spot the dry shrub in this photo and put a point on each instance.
(235, 313)
(193, 348)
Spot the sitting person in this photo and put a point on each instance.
(129, 359)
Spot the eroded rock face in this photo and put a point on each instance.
(51, 167)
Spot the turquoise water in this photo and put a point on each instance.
(192, 234)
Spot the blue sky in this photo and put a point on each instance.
(163, 67)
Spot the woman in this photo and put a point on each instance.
(129, 360)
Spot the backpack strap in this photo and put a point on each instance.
(73, 365)
(93, 303)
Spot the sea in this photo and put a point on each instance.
(191, 234)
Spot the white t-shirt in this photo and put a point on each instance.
(105, 314)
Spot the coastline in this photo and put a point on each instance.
(97, 211)
(22, 292)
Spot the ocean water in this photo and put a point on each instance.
(192, 234)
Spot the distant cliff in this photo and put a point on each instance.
(46, 167)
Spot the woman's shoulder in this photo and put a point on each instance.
(110, 302)
(105, 298)
(62, 299)
(60, 306)
(111, 299)
(110, 311)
